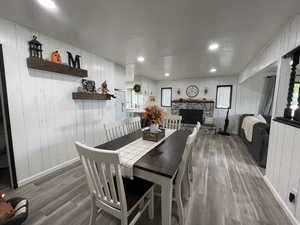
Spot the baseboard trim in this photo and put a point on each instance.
(285, 208)
(46, 172)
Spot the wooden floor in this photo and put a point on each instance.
(227, 189)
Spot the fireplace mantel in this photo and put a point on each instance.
(184, 100)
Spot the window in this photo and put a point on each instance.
(133, 99)
(224, 96)
(166, 97)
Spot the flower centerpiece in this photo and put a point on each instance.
(155, 115)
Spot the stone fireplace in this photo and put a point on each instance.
(193, 110)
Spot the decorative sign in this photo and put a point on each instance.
(74, 63)
(88, 85)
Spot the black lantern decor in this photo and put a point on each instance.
(35, 48)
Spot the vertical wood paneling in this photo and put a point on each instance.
(45, 119)
(282, 43)
(294, 177)
(283, 162)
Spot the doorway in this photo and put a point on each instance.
(8, 177)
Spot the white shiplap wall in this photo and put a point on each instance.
(283, 167)
(283, 42)
(45, 121)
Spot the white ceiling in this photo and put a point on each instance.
(172, 35)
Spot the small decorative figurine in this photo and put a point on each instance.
(74, 63)
(104, 90)
(35, 48)
(205, 91)
(55, 57)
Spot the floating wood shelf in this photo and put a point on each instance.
(90, 96)
(41, 64)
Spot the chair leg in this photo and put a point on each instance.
(94, 210)
(151, 205)
(186, 188)
(190, 166)
(179, 205)
(124, 220)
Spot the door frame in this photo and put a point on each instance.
(6, 120)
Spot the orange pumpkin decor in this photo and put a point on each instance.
(55, 57)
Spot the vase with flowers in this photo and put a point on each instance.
(155, 115)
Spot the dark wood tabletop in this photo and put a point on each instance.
(163, 159)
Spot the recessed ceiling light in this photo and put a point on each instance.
(213, 47)
(213, 70)
(140, 59)
(49, 4)
(167, 74)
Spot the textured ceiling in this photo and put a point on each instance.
(172, 35)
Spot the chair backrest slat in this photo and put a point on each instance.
(115, 130)
(111, 183)
(133, 124)
(172, 122)
(103, 172)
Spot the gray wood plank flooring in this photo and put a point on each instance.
(228, 189)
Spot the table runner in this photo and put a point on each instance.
(131, 153)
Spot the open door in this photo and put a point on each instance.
(8, 178)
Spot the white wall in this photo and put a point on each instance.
(283, 166)
(45, 120)
(250, 95)
(287, 39)
(211, 83)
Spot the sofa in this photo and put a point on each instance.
(258, 147)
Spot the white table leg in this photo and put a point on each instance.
(166, 192)
(166, 201)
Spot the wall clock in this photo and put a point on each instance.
(192, 91)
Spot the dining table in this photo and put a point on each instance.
(159, 165)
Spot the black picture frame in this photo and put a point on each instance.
(161, 94)
(6, 117)
(230, 100)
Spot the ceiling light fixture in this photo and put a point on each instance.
(140, 59)
(213, 70)
(213, 47)
(167, 74)
(49, 4)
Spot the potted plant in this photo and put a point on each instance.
(155, 115)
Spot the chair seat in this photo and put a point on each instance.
(135, 190)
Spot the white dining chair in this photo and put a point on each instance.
(182, 177)
(110, 192)
(115, 129)
(133, 124)
(190, 166)
(172, 122)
